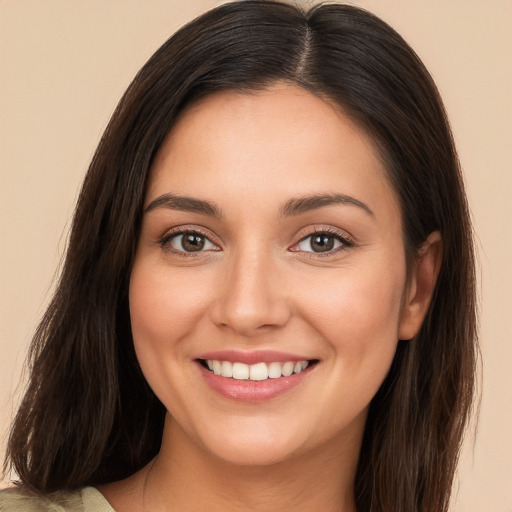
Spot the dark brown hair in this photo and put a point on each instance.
(88, 416)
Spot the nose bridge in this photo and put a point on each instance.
(252, 296)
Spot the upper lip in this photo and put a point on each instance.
(252, 357)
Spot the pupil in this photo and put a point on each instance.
(192, 242)
(322, 243)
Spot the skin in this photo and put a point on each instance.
(259, 285)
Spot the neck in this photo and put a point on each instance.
(191, 478)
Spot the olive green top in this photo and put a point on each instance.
(87, 499)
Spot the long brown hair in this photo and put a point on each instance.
(89, 417)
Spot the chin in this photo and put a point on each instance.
(256, 445)
(254, 454)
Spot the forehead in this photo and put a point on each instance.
(281, 141)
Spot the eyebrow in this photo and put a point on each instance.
(183, 203)
(294, 206)
(298, 205)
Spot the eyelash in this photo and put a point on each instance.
(345, 241)
(166, 240)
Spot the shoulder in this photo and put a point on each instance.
(88, 499)
(22, 500)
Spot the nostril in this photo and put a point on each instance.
(248, 318)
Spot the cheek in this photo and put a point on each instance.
(165, 309)
(162, 307)
(357, 313)
(362, 302)
(358, 321)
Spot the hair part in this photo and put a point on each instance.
(89, 417)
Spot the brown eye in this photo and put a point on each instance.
(321, 242)
(190, 242)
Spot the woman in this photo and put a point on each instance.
(268, 297)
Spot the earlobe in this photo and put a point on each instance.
(422, 282)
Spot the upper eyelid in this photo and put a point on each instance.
(180, 230)
(336, 232)
(345, 237)
(169, 234)
(165, 243)
(328, 233)
(347, 241)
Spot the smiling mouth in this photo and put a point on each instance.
(255, 372)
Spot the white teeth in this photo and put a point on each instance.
(227, 369)
(217, 367)
(287, 369)
(258, 371)
(274, 370)
(240, 371)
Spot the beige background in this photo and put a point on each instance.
(64, 65)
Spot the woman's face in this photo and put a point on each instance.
(271, 242)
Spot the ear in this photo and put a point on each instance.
(420, 289)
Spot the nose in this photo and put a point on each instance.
(252, 298)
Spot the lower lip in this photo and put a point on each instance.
(251, 390)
